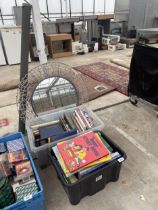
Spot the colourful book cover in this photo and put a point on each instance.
(61, 161)
(17, 156)
(23, 169)
(65, 168)
(104, 142)
(81, 150)
(101, 160)
(114, 156)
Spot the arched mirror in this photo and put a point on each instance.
(53, 93)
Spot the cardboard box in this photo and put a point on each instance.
(59, 45)
(112, 47)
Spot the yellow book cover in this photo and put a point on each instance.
(62, 163)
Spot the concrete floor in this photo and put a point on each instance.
(132, 128)
(135, 131)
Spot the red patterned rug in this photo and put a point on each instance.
(110, 75)
(95, 88)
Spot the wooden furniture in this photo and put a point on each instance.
(105, 17)
(59, 45)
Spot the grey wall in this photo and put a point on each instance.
(122, 10)
(142, 14)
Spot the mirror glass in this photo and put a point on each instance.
(53, 93)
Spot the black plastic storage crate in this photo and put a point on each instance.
(92, 182)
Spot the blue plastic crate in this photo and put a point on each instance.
(35, 202)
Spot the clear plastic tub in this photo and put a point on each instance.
(42, 152)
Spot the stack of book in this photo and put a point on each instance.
(67, 125)
(17, 179)
(83, 154)
(6, 193)
(81, 120)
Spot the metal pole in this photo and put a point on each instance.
(93, 7)
(66, 8)
(40, 13)
(82, 7)
(47, 8)
(37, 24)
(26, 13)
(104, 6)
(61, 8)
(16, 3)
(70, 7)
(1, 16)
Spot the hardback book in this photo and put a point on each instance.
(15, 145)
(82, 128)
(99, 136)
(61, 161)
(64, 124)
(17, 156)
(81, 151)
(68, 119)
(19, 184)
(51, 130)
(89, 118)
(85, 171)
(80, 119)
(26, 190)
(23, 169)
(63, 135)
(83, 118)
(103, 159)
(76, 123)
(65, 167)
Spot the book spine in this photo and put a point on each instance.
(82, 129)
(84, 119)
(68, 121)
(80, 121)
(105, 142)
(75, 122)
(62, 121)
(88, 118)
(85, 171)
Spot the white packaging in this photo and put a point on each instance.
(105, 41)
(121, 46)
(76, 47)
(112, 47)
(85, 48)
(96, 47)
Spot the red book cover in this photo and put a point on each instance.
(81, 150)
